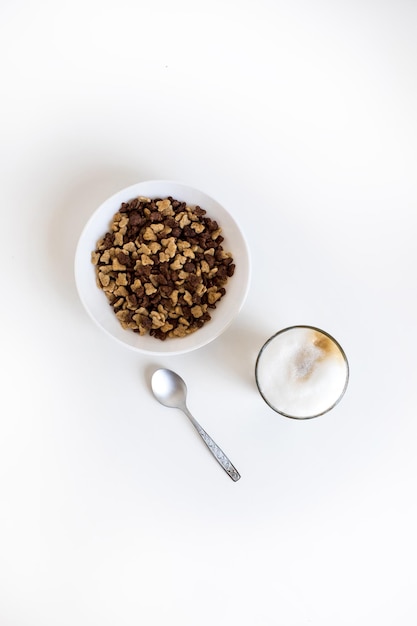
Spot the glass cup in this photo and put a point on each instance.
(302, 372)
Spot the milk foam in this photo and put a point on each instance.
(301, 372)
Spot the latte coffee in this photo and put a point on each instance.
(302, 372)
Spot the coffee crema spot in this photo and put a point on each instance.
(305, 361)
(325, 344)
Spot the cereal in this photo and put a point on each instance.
(162, 266)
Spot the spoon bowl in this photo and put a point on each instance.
(171, 391)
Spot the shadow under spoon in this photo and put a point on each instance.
(171, 391)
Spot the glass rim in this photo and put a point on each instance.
(323, 332)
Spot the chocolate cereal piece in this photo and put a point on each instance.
(162, 266)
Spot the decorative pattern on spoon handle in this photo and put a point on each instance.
(218, 454)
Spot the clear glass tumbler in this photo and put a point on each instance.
(302, 372)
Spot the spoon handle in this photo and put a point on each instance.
(218, 454)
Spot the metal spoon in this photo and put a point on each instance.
(171, 391)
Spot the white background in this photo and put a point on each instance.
(300, 117)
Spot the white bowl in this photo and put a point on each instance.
(96, 303)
